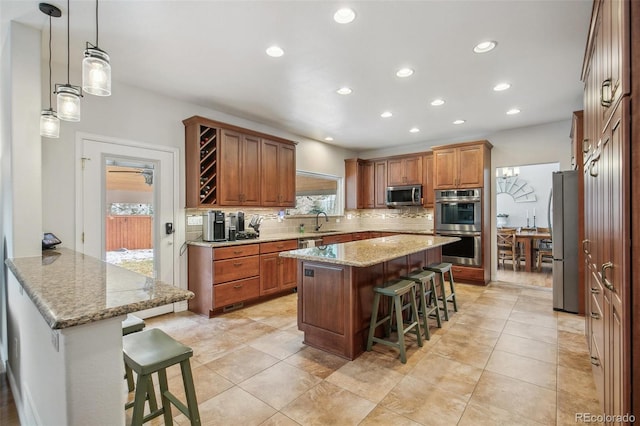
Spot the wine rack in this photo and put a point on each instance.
(208, 164)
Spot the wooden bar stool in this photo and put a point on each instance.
(153, 351)
(427, 298)
(395, 290)
(132, 324)
(441, 269)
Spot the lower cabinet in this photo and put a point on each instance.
(469, 274)
(337, 239)
(277, 273)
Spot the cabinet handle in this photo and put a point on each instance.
(595, 361)
(593, 163)
(237, 264)
(237, 252)
(603, 273)
(584, 246)
(605, 102)
(280, 246)
(595, 315)
(237, 286)
(586, 145)
(595, 290)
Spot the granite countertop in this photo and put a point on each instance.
(370, 252)
(305, 235)
(70, 288)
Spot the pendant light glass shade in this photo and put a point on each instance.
(49, 124)
(68, 103)
(96, 72)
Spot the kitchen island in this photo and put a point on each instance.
(65, 335)
(335, 285)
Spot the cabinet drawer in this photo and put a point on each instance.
(335, 239)
(235, 251)
(361, 236)
(462, 273)
(235, 291)
(277, 246)
(235, 269)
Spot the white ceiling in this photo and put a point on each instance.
(212, 53)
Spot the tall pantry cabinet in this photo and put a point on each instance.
(611, 73)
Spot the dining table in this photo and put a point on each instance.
(528, 238)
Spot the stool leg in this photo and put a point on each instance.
(151, 394)
(139, 400)
(403, 351)
(166, 403)
(374, 319)
(414, 307)
(190, 392)
(453, 292)
(444, 297)
(129, 375)
(423, 302)
(434, 296)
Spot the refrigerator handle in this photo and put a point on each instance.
(549, 213)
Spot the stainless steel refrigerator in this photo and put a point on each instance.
(563, 221)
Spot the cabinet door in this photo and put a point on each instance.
(289, 272)
(395, 172)
(368, 185)
(380, 186)
(413, 170)
(250, 169)
(351, 183)
(427, 181)
(470, 166)
(230, 173)
(286, 175)
(445, 169)
(270, 173)
(269, 273)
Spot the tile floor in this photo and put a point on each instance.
(505, 358)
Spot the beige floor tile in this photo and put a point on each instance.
(207, 383)
(535, 349)
(252, 331)
(389, 358)
(314, 361)
(571, 409)
(496, 312)
(539, 293)
(578, 360)
(280, 384)
(424, 404)
(239, 365)
(571, 322)
(479, 332)
(327, 404)
(280, 344)
(523, 368)
(455, 377)
(220, 344)
(381, 416)
(482, 321)
(232, 407)
(578, 383)
(548, 320)
(574, 341)
(469, 353)
(487, 415)
(531, 331)
(279, 419)
(366, 379)
(516, 396)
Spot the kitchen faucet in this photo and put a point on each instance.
(318, 226)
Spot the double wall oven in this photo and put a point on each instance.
(459, 214)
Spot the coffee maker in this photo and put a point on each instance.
(213, 226)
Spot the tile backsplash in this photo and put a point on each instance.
(275, 222)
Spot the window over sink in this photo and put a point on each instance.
(316, 192)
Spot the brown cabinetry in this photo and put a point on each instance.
(353, 175)
(404, 170)
(460, 165)
(380, 184)
(428, 194)
(277, 273)
(336, 239)
(224, 166)
(609, 227)
(368, 185)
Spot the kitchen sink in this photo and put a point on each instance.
(325, 231)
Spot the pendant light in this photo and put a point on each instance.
(96, 70)
(68, 95)
(49, 122)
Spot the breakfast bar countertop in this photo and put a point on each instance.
(71, 288)
(370, 252)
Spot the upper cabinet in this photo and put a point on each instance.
(227, 165)
(428, 194)
(461, 165)
(278, 174)
(380, 184)
(404, 170)
(353, 188)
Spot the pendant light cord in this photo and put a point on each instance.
(96, 23)
(68, 43)
(50, 63)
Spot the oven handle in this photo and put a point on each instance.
(459, 234)
(458, 200)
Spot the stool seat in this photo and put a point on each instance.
(439, 267)
(397, 289)
(153, 350)
(132, 324)
(427, 300)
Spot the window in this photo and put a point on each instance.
(315, 193)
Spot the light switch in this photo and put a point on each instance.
(194, 220)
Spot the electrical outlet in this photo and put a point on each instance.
(429, 217)
(384, 215)
(194, 220)
(349, 216)
(337, 220)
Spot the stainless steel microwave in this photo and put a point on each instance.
(410, 195)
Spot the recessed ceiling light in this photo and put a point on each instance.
(414, 130)
(328, 138)
(501, 86)
(344, 16)
(344, 91)
(404, 72)
(513, 111)
(275, 51)
(485, 46)
(386, 114)
(437, 102)
(458, 122)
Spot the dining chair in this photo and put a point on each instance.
(544, 249)
(507, 247)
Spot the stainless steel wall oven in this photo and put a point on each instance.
(459, 214)
(467, 251)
